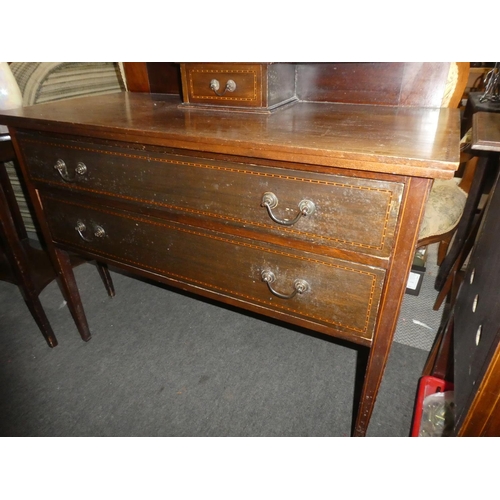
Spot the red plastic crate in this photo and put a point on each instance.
(427, 385)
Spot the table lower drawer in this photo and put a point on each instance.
(336, 294)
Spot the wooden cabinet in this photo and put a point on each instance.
(477, 333)
(309, 214)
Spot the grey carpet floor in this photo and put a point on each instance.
(418, 322)
(164, 363)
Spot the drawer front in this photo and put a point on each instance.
(326, 291)
(227, 84)
(345, 212)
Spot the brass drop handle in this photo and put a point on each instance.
(81, 228)
(215, 86)
(60, 166)
(270, 201)
(299, 286)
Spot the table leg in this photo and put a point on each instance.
(412, 211)
(70, 292)
(106, 278)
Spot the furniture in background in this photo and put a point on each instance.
(474, 105)
(264, 211)
(477, 316)
(482, 181)
(41, 82)
(22, 262)
(476, 81)
(467, 349)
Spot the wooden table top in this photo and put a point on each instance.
(486, 131)
(421, 142)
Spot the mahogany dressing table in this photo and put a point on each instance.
(309, 214)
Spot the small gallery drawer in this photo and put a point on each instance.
(330, 292)
(344, 212)
(257, 85)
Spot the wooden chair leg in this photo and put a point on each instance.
(451, 284)
(443, 366)
(20, 267)
(36, 309)
(440, 362)
(466, 222)
(443, 249)
(447, 286)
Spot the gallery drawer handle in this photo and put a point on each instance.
(270, 201)
(215, 86)
(99, 232)
(299, 286)
(60, 166)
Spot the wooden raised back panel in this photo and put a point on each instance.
(152, 77)
(386, 83)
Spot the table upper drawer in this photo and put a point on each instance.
(330, 292)
(344, 212)
(239, 84)
(243, 85)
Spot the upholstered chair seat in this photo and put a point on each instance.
(444, 208)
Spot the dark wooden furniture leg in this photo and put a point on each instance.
(439, 353)
(17, 268)
(106, 278)
(449, 288)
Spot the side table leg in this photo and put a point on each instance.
(106, 278)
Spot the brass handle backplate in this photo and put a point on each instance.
(215, 86)
(81, 228)
(299, 286)
(80, 170)
(270, 201)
